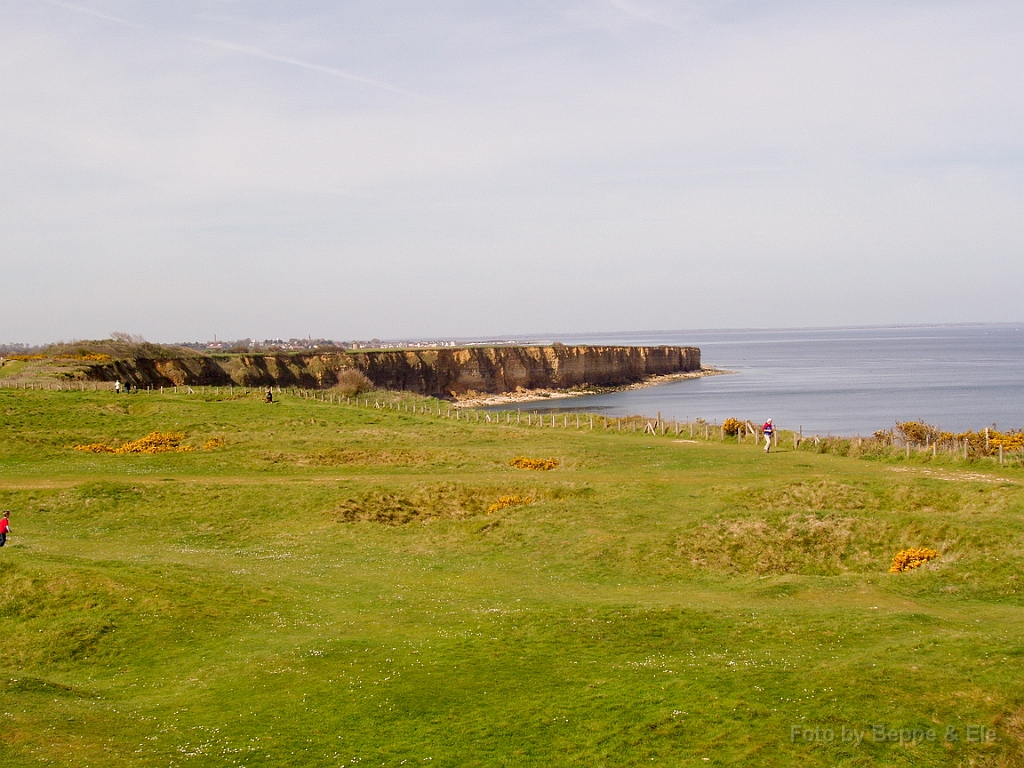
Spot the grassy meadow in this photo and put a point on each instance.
(329, 588)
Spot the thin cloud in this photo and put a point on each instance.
(639, 13)
(260, 54)
(243, 49)
(97, 14)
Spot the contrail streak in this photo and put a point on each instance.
(243, 49)
(260, 54)
(97, 14)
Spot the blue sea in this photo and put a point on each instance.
(843, 381)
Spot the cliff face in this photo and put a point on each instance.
(438, 372)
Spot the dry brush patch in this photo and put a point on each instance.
(916, 496)
(810, 495)
(1012, 723)
(364, 457)
(393, 506)
(938, 497)
(799, 543)
(335, 457)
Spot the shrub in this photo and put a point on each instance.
(919, 432)
(213, 443)
(883, 436)
(732, 426)
(524, 462)
(351, 382)
(911, 558)
(120, 346)
(984, 442)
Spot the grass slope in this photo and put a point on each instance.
(328, 589)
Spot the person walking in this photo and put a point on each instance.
(768, 429)
(5, 526)
(117, 387)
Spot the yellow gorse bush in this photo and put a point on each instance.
(154, 442)
(514, 500)
(1010, 441)
(524, 462)
(911, 558)
(213, 443)
(90, 357)
(983, 442)
(732, 426)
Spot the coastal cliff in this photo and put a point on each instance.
(437, 372)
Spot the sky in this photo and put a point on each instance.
(421, 169)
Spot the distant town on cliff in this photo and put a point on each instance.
(295, 345)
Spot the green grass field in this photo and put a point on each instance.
(329, 589)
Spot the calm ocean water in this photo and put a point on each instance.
(841, 380)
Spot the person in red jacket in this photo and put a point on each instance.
(5, 526)
(768, 430)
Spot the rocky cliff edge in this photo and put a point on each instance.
(437, 372)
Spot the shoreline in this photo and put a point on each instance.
(481, 400)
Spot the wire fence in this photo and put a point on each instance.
(686, 430)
